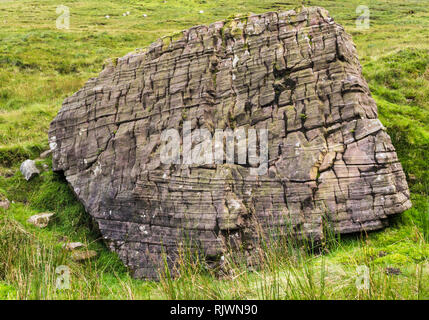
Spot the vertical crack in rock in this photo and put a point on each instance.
(295, 74)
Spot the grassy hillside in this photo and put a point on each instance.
(40, 65)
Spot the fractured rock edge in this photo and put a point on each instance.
(296, 74)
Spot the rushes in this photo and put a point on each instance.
(283, 267)
(30, 266)
(293, 269)
(26, 262)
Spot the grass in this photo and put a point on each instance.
(41, 65)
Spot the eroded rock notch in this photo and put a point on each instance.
(294, 73)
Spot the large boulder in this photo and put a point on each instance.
(295, 74)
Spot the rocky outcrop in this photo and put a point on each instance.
(295, 74)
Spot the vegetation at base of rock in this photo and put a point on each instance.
(287, 271)
(360, 192)
(40, 65)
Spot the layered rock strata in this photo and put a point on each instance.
(295, 74)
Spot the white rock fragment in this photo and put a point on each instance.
(97, 169)
(40, 220)
(143, 230)
(28, 169)
(235, 61)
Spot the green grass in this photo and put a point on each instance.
(41, 65)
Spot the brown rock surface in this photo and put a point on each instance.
(294, 73)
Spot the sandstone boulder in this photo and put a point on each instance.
(295, 74)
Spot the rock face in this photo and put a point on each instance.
(295, 74)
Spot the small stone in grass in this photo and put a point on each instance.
(382, 254)
(4, 203)
(28, 169)
(83, 255)
(73, 245)
(40, 220)
(395, 271)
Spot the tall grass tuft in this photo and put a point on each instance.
(291, 267)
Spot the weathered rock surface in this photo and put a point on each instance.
(28, 169)
(294, 73)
